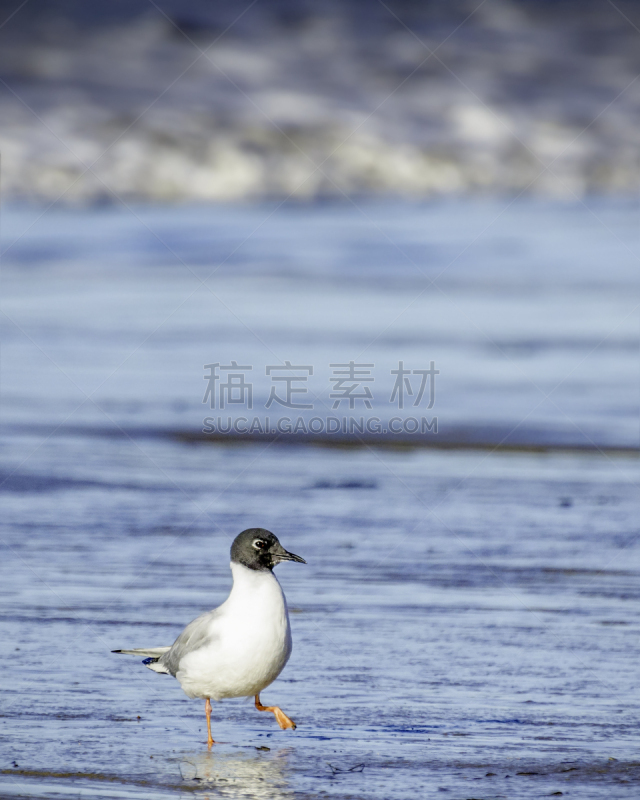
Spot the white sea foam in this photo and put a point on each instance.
(346, 100)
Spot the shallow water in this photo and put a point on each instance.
(467, 615)
(530, 312)
(467, 622)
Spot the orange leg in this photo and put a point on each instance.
(207, 711)
(281, 717)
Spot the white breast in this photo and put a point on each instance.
(250, 641)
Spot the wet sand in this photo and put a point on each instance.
(467, 623)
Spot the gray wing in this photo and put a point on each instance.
(197, 634)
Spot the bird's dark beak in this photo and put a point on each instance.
(292, 557)
(284, 555)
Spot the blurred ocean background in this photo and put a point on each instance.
(317, 183)
(185, 101)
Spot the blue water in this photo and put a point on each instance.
(529, 311)
(467, 622)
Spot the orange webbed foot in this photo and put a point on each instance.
(282, 719)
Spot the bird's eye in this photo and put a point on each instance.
(259, 544)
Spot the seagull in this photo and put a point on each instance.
(242, 646)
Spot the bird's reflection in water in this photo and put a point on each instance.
(254, 774)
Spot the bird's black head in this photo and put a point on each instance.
(260, 549)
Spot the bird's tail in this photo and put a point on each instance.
(152, 653)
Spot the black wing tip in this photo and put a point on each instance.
(116, 651)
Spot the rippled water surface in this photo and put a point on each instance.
(467, 623)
